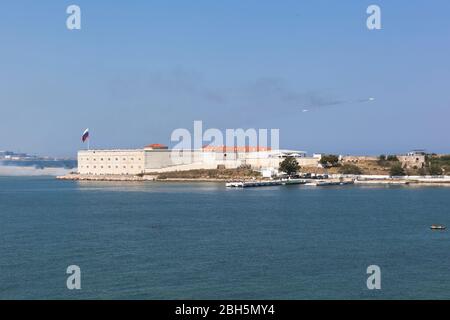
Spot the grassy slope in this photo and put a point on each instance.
(223, 174)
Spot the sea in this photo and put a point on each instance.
(167, 240)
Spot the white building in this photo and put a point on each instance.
(115, 162)
(413, 160)
(158, 158)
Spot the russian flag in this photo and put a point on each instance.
(85, 135)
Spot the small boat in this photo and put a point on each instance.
(323, 183)
(438, 227)
(328, 183)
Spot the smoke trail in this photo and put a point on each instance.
(335, 103)
(32, 171)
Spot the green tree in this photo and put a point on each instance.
(392, 158)
(422, 172)
(350, 169)
(435, 169)
(397, 170)
(382, 161)
(289, 166)
(329, 160)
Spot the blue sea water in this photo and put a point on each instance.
(202, 241)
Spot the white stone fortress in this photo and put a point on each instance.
(158, 158)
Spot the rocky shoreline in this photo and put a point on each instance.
(133, 178)
(360, 180)
(80, 177)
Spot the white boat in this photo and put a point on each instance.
(438, 227)
(253, 184)
(328, 183)
(324, 183)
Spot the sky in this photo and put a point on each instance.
(138, 70)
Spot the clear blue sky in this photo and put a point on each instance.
(140, 69)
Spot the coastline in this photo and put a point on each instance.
(82, 177)
(133, 178)
(357, 180)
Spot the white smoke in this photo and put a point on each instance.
(32, 171)
(335, 103)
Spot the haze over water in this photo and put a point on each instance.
(202, 241)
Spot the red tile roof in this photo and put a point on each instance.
(235, 149)
(156, 146)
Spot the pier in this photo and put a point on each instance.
(268, 183)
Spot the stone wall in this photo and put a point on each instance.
(356, 159)
(111, 162)
(412, 161)
(133, 162)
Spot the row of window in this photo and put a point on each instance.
(109, 159)
(109, 167)
(103, 174)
